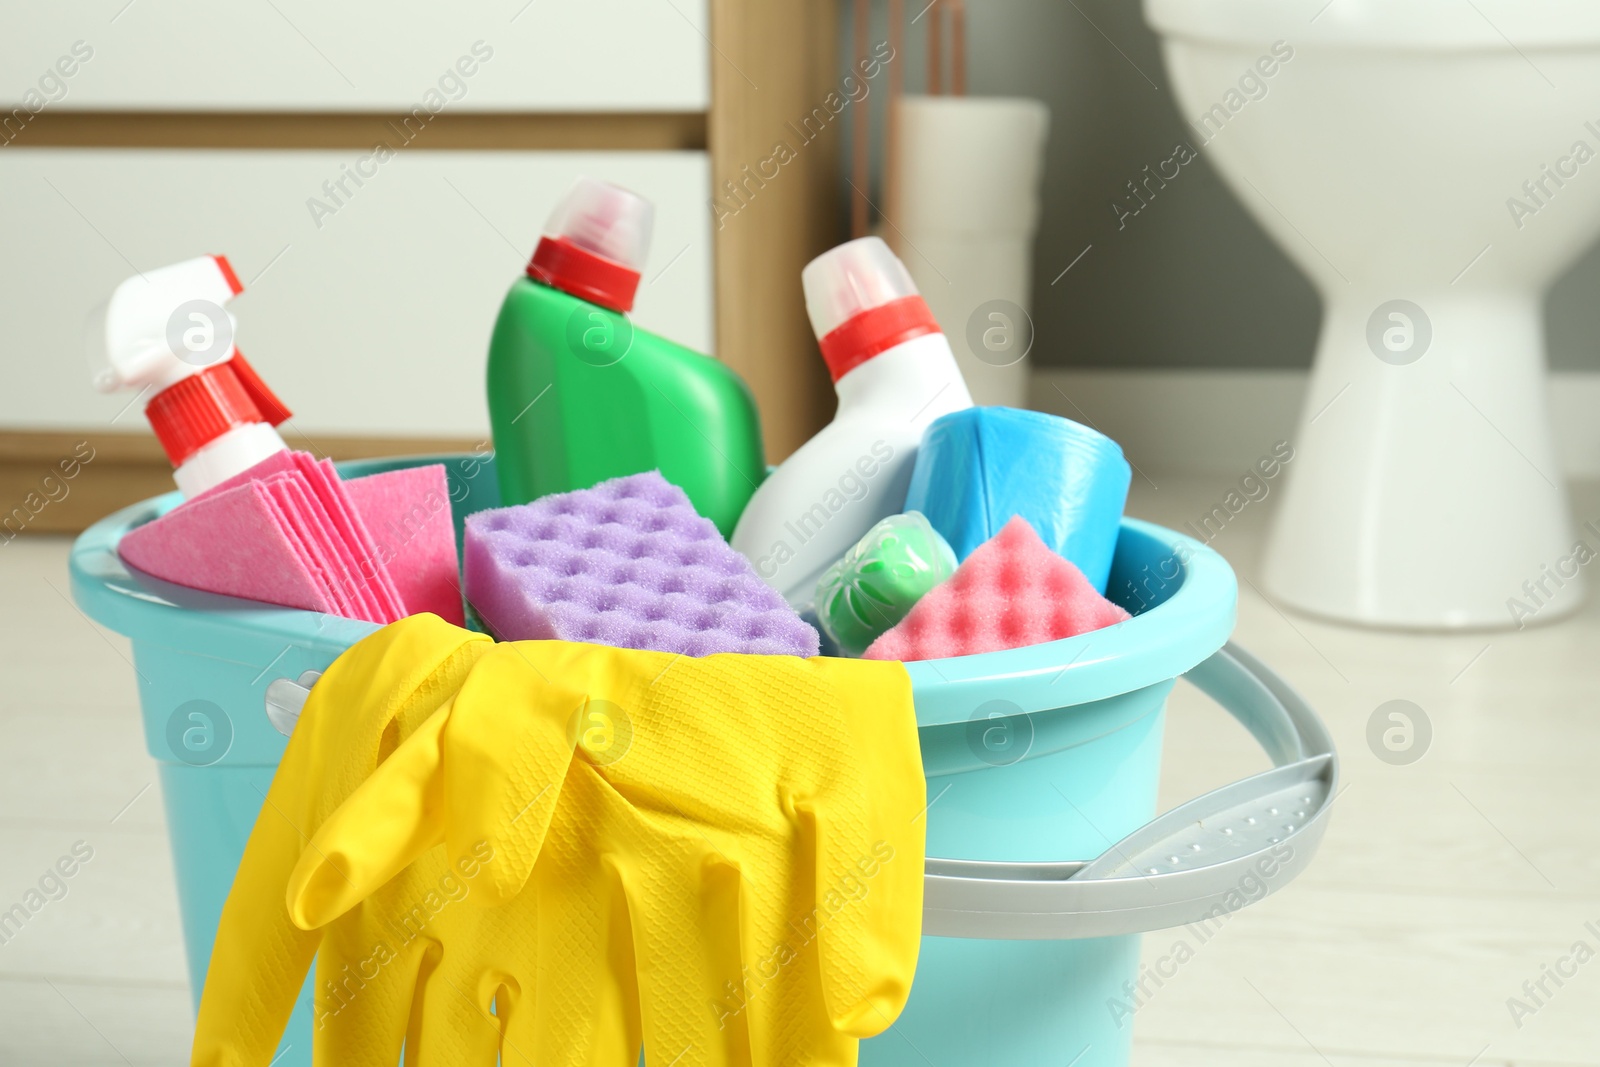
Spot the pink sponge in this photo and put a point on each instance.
(1012, 591)
(627, 563)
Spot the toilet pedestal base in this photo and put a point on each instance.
(1425, 491)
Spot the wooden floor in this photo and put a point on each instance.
(1441, 888)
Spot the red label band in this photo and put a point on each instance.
(875, 330)
(559, 263)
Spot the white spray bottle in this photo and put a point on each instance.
(166, 334)
(894, 373)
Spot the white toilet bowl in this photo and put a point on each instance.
(1420, 160)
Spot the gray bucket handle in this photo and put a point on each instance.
(1197, 863)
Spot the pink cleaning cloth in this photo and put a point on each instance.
(347, 518)
(327, 512)
(234, 543)
(1012, 591)
(338, 565)
(407, 512)
(321, 547)
(326, 549)
(288, 531)
(367, 583)
(360, 567)
(296, 514)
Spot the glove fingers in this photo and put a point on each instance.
(394, 678)
(509, 743)
(390, 820)
(782, 1007)
(251, 986)
(586, 1013)
(869, 848)
(453, 1020)
(483, 776)
(684, 908)
(868, 898)
(365, 982)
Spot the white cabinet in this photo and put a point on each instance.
(374, 322)
(371, 287)
(312, 55)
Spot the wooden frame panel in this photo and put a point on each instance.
(771, 64)
(545, 131)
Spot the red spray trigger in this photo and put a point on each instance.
(228, 275)
(273, 411)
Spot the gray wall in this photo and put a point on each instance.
(1190, 281)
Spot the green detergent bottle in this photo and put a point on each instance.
(578, 394)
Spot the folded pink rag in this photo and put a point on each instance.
(289, 532)
(370, 590)
(407, 512)
(195, 545)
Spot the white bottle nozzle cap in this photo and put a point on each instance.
(166, 333)
(605, 219)
(856, 276)
(164, 325)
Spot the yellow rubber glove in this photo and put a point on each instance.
(419, 845)
(369, 701)
(737, 857)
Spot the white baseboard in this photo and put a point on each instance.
(1221, 421)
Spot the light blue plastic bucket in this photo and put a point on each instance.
(1044, 753)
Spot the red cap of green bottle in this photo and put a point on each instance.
(595, 243)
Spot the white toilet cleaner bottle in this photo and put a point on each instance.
(166, 334)
(894, 373)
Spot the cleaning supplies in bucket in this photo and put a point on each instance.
(1013, 591)
(165, 332)
(579, 394)
(895, 375)
(289, 532)
(641, 825)
(627, 563)
(1004, 813)
(979, 468)
(880, 579)
(614, 895)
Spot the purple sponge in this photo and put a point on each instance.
(627, 563)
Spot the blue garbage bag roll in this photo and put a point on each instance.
(977, 468)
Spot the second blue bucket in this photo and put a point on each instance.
(1045, 753)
